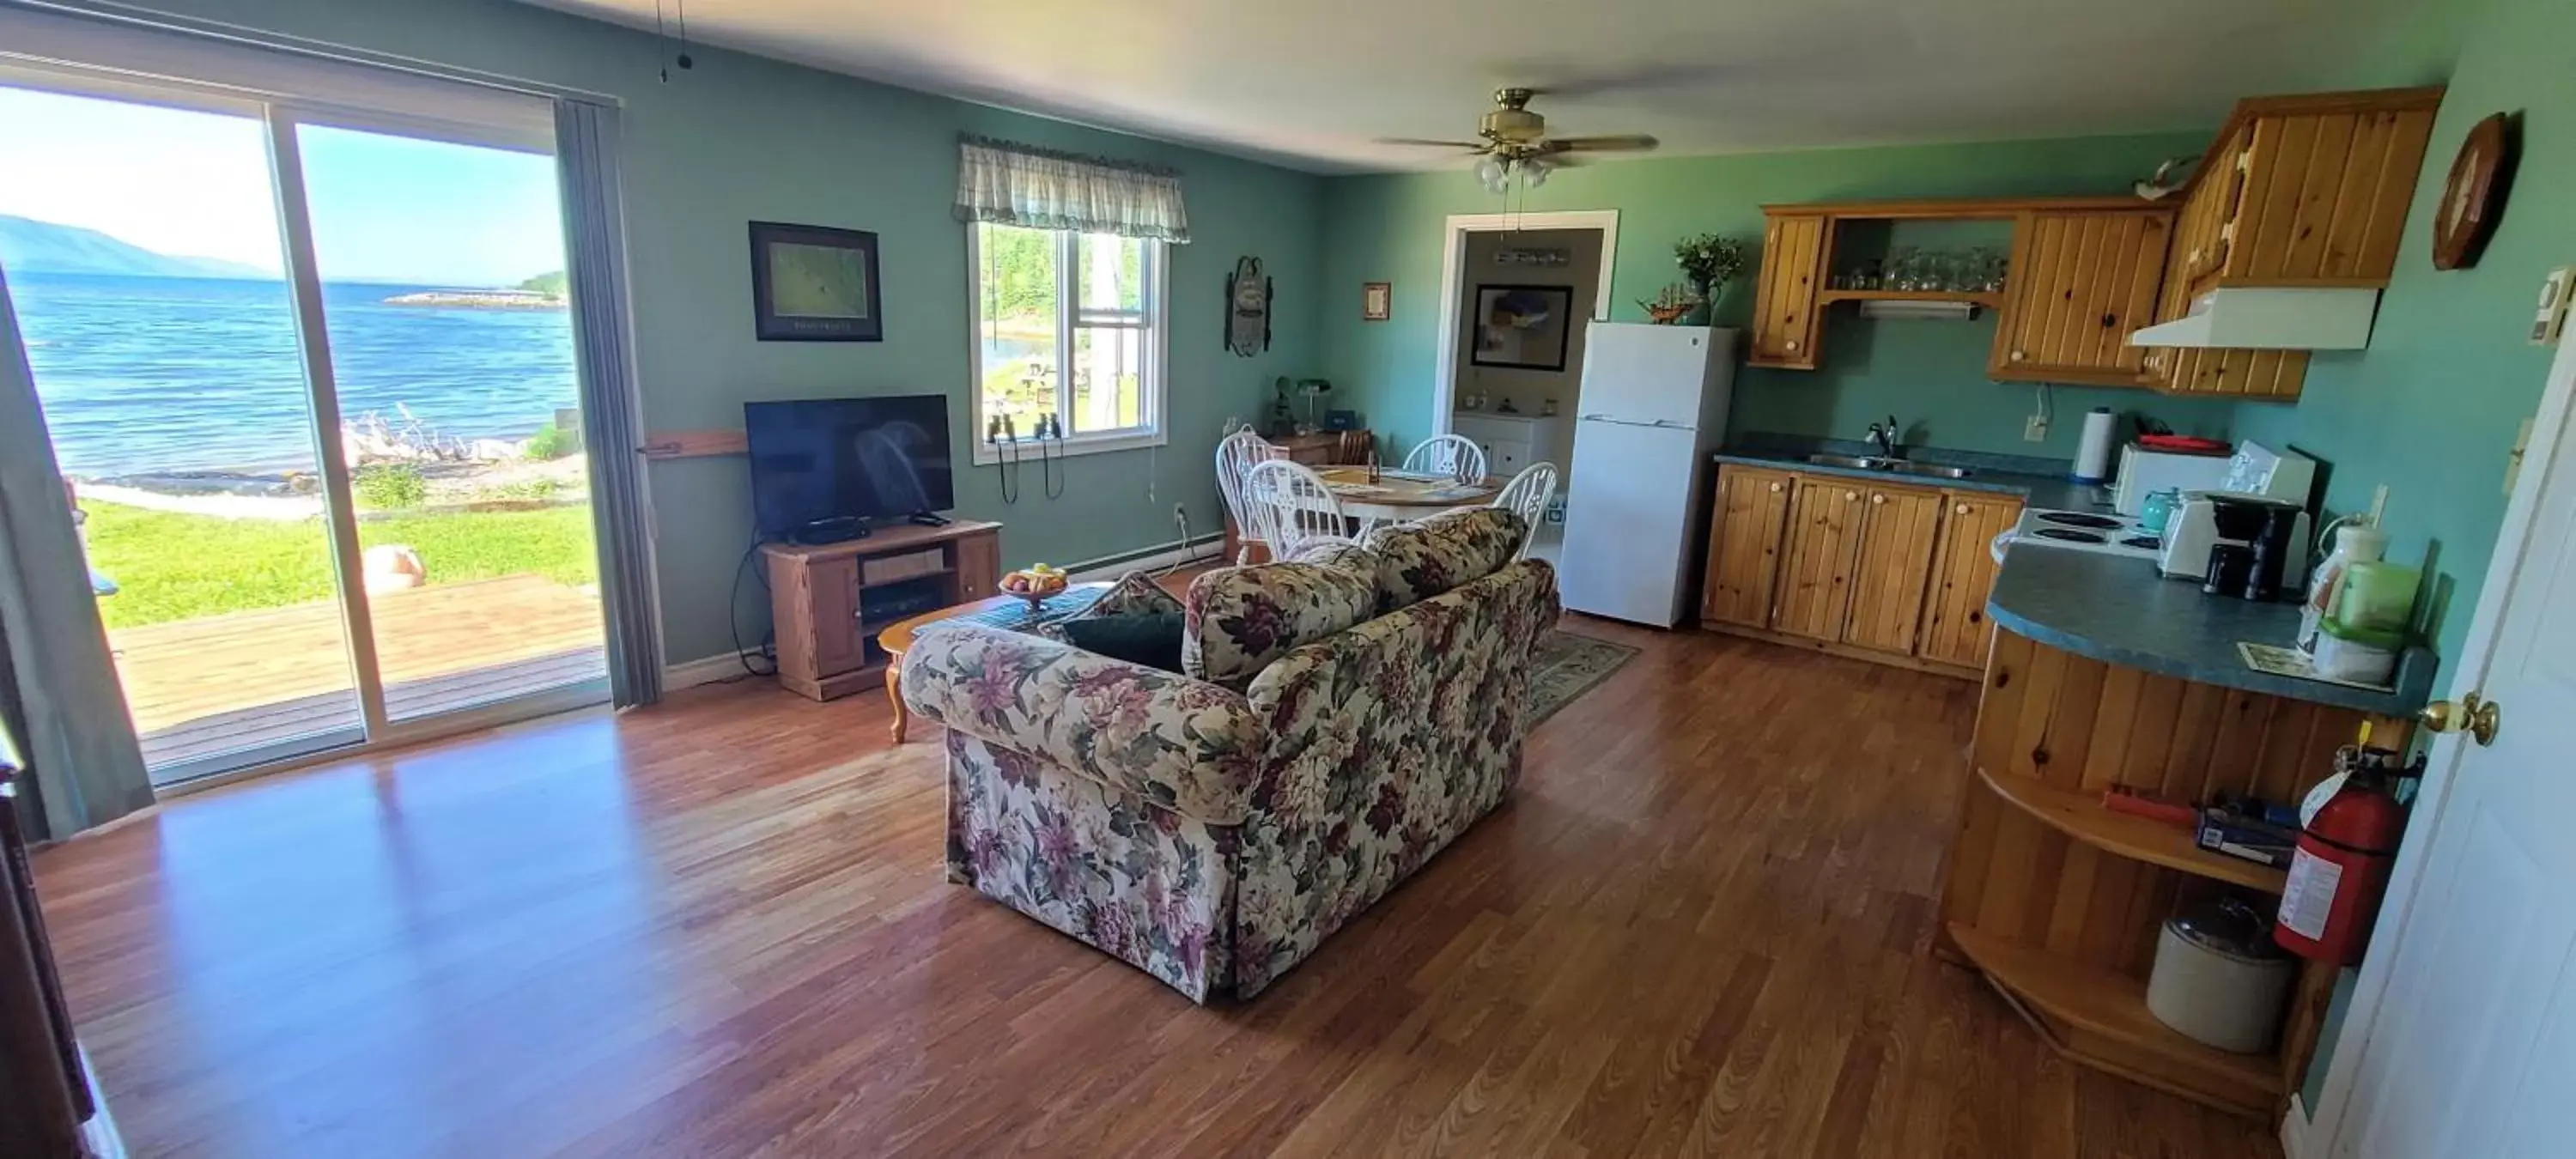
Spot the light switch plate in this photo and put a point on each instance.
(2552, 318)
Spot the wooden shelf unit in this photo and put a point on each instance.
(1972, 297)
(2100, 1018)
(2082, 816)
(2059, 901)
(819, 604)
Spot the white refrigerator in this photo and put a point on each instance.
(1651, 412)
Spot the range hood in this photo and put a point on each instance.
(2259, 318)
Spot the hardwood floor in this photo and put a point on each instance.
(719, 927)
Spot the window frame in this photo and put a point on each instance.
(1151, 429)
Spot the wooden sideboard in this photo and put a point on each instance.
(820, 604)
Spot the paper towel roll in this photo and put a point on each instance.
(2093, 454)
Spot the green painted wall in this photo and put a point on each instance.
(2432, 407)
(1389, 228)
(741, 138)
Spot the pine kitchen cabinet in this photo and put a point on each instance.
(1749, 520)
(1897, 532)
(1889, 572)
(1816, 568)
(2081, 281)
(1795, 247)
(1955, 630)
(2304, 191)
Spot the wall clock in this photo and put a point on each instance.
(2473, 199)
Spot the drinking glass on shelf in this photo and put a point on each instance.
(1994, 262)
(1904, 268)
(1868, 277)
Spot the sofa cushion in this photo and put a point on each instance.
(1416, 561)
(1242, 618)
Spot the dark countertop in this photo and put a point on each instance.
(2051, 491)
(2119, 611)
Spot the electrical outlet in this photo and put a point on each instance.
(2035, 429)
(2552, 316)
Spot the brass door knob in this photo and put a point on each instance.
(2476, 716)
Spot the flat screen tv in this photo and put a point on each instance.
(814, 461)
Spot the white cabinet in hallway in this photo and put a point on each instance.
(1511, 442)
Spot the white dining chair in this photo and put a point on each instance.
(1235, 455)
(1288, 507)
(1455, 456)
(1529, 493)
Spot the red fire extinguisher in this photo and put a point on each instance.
(2346, 847)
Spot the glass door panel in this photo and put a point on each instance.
(142, 251)
(442, 285)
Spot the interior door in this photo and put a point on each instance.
(2472, 1050)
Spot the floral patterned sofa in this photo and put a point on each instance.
(1341, 718)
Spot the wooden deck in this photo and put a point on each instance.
(251, 679)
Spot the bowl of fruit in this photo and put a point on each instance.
(1035, 583)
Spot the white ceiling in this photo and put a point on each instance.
(1310, 83)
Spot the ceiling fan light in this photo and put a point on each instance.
(1489, 171)
(1534, 173)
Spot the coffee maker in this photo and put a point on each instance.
(2270, 534)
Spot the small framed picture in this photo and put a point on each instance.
(810, 283)
(1523, 327)
(1377, 301)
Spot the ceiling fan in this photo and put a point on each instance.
(1513, 141)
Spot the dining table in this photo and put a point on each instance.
(1399, 496)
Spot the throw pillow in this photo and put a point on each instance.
(1152, 639)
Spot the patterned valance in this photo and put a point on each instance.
(1013, 184)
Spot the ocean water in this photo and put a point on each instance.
(142, 375)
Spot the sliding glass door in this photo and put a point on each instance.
(311, 377)
(442, 275)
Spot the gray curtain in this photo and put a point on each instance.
(586, 143)
(67, 712)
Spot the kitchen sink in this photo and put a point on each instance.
(1861, 462)
(1892, 466)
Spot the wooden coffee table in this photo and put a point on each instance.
(897, 640)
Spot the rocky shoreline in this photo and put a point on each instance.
(481, 300)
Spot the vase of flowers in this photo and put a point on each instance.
(1709, 262)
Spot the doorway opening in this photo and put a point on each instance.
(1520, 291)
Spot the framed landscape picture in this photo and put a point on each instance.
(1522, 327)
(810, 283)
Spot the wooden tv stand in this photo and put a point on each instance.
(819, 602)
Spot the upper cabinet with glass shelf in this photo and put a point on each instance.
(2295, 191)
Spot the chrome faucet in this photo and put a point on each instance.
(1886, 437)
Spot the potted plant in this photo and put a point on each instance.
(1709, 262)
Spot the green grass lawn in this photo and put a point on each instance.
(171, 566)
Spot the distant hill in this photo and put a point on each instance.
(550, 284)
(28, 246)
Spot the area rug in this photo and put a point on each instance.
(1564, 666)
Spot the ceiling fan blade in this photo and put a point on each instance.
(1478, 146)
(1624, 143)
(1645, 80)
